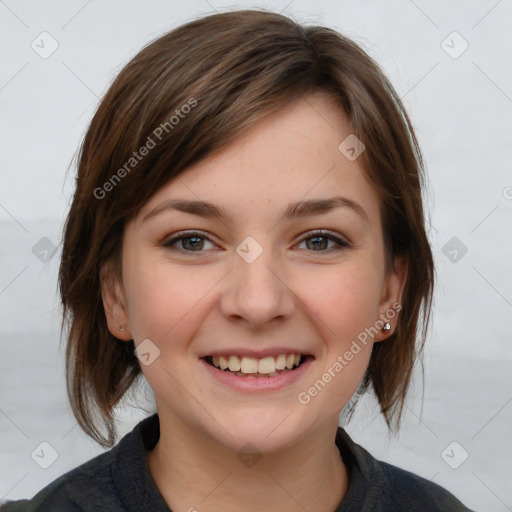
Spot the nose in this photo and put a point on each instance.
(257, 293)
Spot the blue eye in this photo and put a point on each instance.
(193, 241)
(319, 237)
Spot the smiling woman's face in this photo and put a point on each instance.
(255, 281)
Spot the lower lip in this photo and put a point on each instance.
(257, 384)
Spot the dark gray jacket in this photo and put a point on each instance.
(119, 481)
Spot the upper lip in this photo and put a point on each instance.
(256, 354)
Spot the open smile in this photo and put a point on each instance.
(253, 374)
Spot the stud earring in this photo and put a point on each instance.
(121, 327)
(386, 328)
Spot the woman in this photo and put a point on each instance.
(247, 234)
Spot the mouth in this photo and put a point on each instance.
(263, 368)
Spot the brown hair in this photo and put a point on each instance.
(230, 69)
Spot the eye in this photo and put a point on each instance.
(321, 238)
(191, 241)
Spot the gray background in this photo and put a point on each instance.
(461, 106)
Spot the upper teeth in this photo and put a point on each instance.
(252, 365)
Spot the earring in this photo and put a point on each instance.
(121, 327)
(386, 328)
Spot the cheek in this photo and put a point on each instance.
(344, 298)
(345, 303)
(164, 298)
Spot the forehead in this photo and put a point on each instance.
(288, 155)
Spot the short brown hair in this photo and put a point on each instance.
(237, 67)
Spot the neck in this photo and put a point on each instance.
(307, 475)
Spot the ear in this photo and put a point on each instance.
(391, 297)
(114, 303)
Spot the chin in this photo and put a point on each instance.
(268, 430)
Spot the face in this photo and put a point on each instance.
(256, 281)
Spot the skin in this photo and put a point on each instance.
(294, 295)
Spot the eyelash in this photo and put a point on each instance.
(320, 233)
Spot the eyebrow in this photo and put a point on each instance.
(294, 210)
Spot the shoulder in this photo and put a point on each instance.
(81, 489)
(385, 487)
(405, 488)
